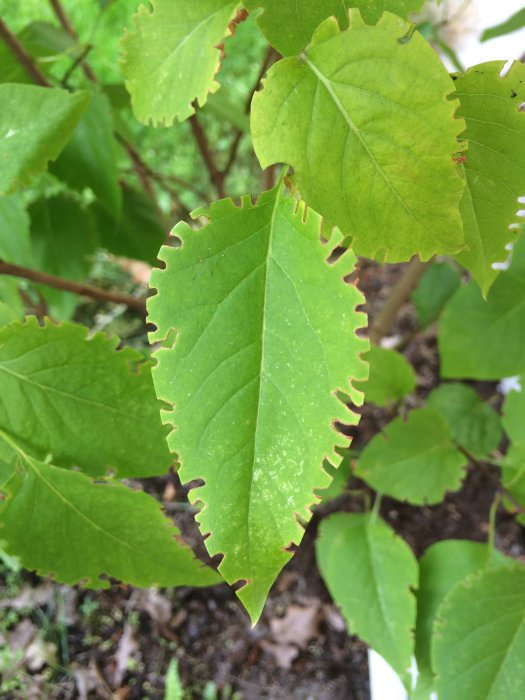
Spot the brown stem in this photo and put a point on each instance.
(25, 60)
(270, 57)
(207, 155)
(85, 290)
(400, 293)
(68, 27)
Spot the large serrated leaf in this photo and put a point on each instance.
(484, 339)
(479, 637)
(364, 119)
(289, 26)
(413, 460)
(80, 400)
(370, 573)
(171, 56)
(494, 170)
(60, 522)
(35, 125)
(265, 336)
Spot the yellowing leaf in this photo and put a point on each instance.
(364, 118)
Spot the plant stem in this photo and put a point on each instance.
(208, 156)
(492, 520)
(86, 290)
(23, 58)
(400, 293)
(68, 27)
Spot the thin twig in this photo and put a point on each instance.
(270, 57)
(399, 294)
(85, 290)
(207, 155)
(23, 58)
(78, 60)
(68, 27)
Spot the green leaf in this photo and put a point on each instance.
(436, 287)
(61, 523)
(15, 244)
(473, 423)
(35, 125)
(340, 475)
(11, 303)
(289, 27)
(494, 172)
(90, 158)
(174, 689)
(391, 377)
(44, 42)
(442, 566)
(265, 337)
(413, 460)
(358, 162)
(512, 24)
(225, 109)
(80, 400)
(174, 44)
(513, 469)
(7, 314)
(479, 640)
(371, 574)
(481, 339)
(140, 231)
(63, 236)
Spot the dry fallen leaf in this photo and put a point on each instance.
(283, 654)
(298, 626)
(128, 648)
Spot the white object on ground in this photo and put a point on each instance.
(384, 681)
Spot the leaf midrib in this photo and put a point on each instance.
(261, 375)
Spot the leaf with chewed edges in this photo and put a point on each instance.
(364, 118)
(494, 167)
(61, 523)
(289, 27)
(171, 56)
(259, 334)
